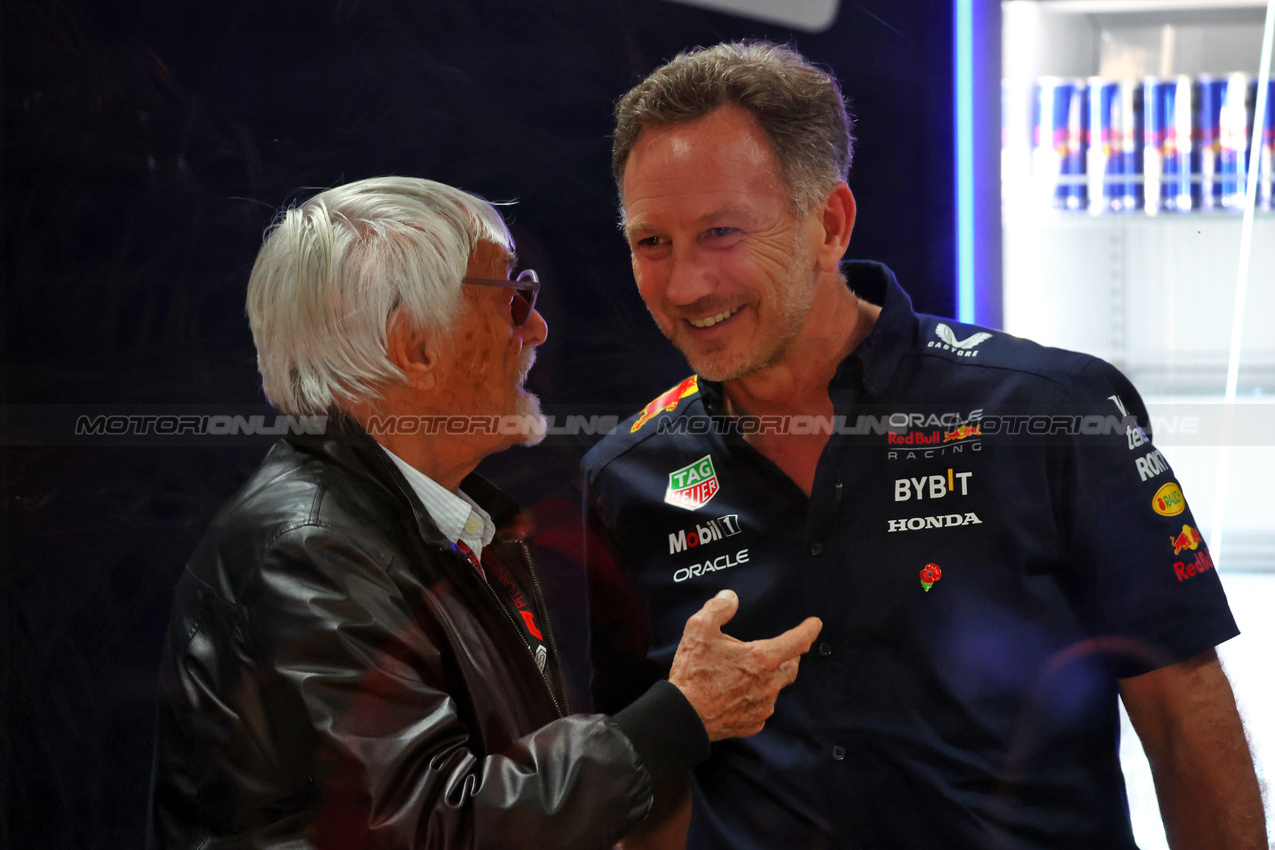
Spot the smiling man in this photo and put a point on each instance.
(359, 653)
(988, 588)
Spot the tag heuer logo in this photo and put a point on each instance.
(693, 486)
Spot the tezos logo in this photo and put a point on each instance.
(693, 486)
(1134, 433)
(703, 534)
(947, 341)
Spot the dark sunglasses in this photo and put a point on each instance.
(526, 287)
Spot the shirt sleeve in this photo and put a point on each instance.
(1144, 571)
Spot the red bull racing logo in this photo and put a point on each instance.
(694, 485)
(964, 432)
(667, 402)
(1188, 539)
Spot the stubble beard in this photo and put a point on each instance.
(790, 303)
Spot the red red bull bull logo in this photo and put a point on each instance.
(1188, 539)
(964, 432)
(667, 402)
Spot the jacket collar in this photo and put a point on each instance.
(346, 444)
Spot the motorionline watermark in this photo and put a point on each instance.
(900, 424)
(222, 425)
(280, 425)
(510, 425)
(1176, 424)
(187, 424)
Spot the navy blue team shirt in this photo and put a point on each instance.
(991, 541)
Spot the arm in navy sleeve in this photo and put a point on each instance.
(1154, 593)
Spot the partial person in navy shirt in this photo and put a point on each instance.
(996, 548)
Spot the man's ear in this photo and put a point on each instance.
(837, 221)
(416, 354)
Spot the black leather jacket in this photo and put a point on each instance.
(337, 675)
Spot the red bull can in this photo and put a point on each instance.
(1155, 131)
(1061, 126)
(1180, 156)
(1264, 158)
(1212, 94)
(1114, 159)
(1235, 123)
(1102, 160)
(1168, 152)
(1131, 166)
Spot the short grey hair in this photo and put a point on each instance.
(798, 105)
(332, 270)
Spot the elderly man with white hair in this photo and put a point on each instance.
(359, 653)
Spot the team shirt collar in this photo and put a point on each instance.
(877, 357)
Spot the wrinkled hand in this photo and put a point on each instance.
(731, 684)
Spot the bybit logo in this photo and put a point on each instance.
(932, 486)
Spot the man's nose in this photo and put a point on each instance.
(689, 277)
(535, 330)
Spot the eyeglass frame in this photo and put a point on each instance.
(519, 285)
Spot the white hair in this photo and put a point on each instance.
(332, 270)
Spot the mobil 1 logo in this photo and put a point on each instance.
(701, 534)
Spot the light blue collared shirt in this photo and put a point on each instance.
(455, 514)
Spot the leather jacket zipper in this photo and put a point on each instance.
(539, 597)
(514, 625)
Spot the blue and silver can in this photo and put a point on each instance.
(1263, 158)
(1114, 160)
(1155, 130)
(1131, 150)
(1235, 123)
(1103, 162)
(1061, 127)
(1212, 94)
(1181, 163)
(1169, 115)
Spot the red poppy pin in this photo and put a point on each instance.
(929, 575)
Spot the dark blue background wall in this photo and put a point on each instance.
(145, 148)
